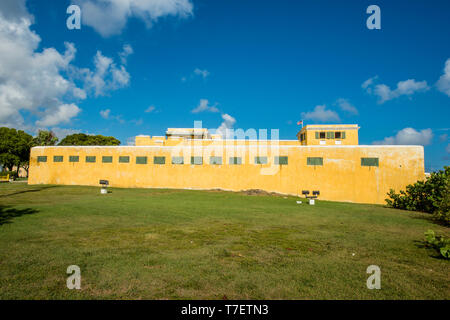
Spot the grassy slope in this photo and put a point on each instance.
(159, 244)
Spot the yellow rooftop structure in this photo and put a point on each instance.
(328, 134)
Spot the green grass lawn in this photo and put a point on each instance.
(182, 244)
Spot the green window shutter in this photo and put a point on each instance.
(369, 162)
(281, 160)
(197, 160)
(90, 159)
(42, 159)
(314, 161)
(107, 159)
(261, 160)
(215, 160)
(317, 135)
(124, 159)
(343, 134)
(58, 158)
(74, 158)
(159, 160)
(329, 133)
(141, 160)
(177, 160)
(235, 160)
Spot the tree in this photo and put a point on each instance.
(45, 138)
(81, 139)
(7, 158)
(15, 148)
(24, 145)
(431, 196)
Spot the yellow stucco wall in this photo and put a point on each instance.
(340, 178)
(351, 134)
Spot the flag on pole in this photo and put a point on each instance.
(300, 123)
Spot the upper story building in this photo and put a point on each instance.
(328, 134)
(309, 135)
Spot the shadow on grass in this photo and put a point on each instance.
(8, 213)
(427, 217)
(432, 252)
(27, 191)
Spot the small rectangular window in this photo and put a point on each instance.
(197, 160)
(74, 158)
(281, 160)
(369, 162)
(141, 160)
(337, 135)
(177, 160)
(90, 159)
(215, 160)
(159, 160)
(124, 159)
(260, 160)
(235, 160)
(107, 159)
(42, 159)
(58, 158)
(314, 161)
(322, 135)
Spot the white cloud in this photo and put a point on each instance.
(126, 51)
(345, 105)
(443, 137)
(409, 136)
(105, 77)
(443, 83)
(150, 109)
(366, 84)
(62, 114)
(109, 17)
(204, 106)
(43, 82)
(447, 149)
(14, 9)
(203, 73)
(385, 93)
(30, 80)
(196, 73)
(105, 113)
(321, 113)
(226, 125)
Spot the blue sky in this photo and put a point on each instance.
(247, 64)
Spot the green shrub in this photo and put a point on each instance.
(438, 243)
(12, 174)
(426, 196)
(442, 214)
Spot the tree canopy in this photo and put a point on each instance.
(15, 145)
(15, 148)
(81, 139)
(45, 138)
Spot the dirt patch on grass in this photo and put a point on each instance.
(251, 192)
(259, 192)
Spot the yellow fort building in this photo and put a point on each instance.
(326, 158)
